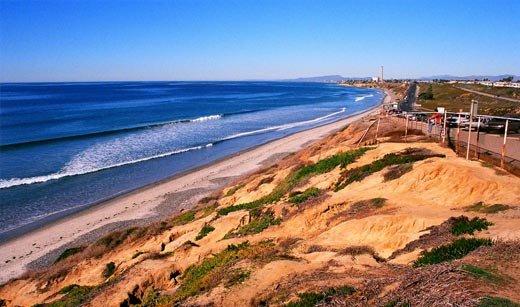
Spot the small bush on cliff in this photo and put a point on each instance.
(258, 223)
(234, 189)
(495, 301)
(206, 229)
(452, 251)
(483, 208)
(217, 269)
(74, 295)
(305, 195)
(69, 252)
(109, 270)
(481, 273)
(308, 299)
(463, 225)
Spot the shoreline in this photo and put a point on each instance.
(155, 201)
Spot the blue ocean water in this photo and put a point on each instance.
(64, 146)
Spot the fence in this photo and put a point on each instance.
(500, 149)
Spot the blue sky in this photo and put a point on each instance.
(236, 40)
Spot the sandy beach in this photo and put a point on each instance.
(40, 246)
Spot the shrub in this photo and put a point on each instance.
(320, 167)
(258, 223)
(234, 189)
(483, 208)
(305, 195)
(463, 225)
(360, 173)
(482, 273)
(115, 238)
(110, 268)
(204, 232)
(494, 301)
(236, 276)
(313, 298)
(455, 250)
(69, 252)
(74, 295)
(202, 277)
(183, 218)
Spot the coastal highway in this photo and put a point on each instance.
(408, 103)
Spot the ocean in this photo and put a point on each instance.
(66, 146)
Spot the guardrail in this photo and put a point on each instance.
(472, 139)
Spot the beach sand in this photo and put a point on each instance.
(154, 202)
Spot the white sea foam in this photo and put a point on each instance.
(284, 127)
(359, 98)
(74, 169)
(205, 118)
(108, 155)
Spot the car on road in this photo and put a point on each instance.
(497, 125)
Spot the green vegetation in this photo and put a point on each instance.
(455, 250)
(114, 239)
(151, 298)
(204, 232)
(234, 189)
(320, 167)
(463, 225)
(183, 218)
(483, 208)
(494, 301)
(258, 223)
(299, 198)
(509, 92)
(237, 276)
(110, 268)
(428, 94)
(309, 299)
(482, 273)
(212, 271)
(360, 173)
(74, 295)
(453, 99)
(69, 252)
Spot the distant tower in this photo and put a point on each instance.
(382, 79)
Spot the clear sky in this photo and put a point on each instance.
(246, 39)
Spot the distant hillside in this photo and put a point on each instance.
(472, 77)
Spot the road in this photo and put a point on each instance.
(488, 95)
(408, 102)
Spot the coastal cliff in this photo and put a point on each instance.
(345, 221)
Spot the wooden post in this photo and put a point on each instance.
(502, 162)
